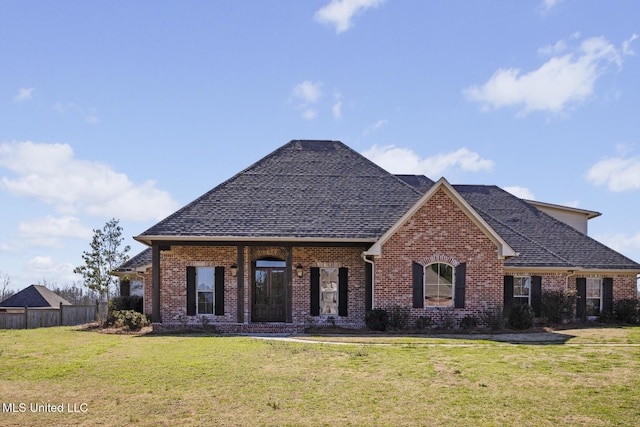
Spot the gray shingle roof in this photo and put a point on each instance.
(140, 260)
(541, 240)
(35, 296)
(304, 189)
(324, 190)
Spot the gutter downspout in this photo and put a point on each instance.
(373, 278)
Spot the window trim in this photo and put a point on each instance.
(336, 270)
(212, 291)
(600, 298)
(520, 296)
(452, 284)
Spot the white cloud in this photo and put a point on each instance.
(89, 115)
(337, 106)
(626, 45)
(308, 93)
(521, 192)
(50, 230)
(560, 82)
(377, 125)
(547, 5)
(623, 243)
(403, 160)
(51, 174)
(340, 13)
(618, 173)
(24, 94)
(45, 266)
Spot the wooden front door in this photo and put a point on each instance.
(269, 292)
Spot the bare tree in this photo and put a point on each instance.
(5, 292)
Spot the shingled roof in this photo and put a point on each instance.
(312, 190)
(325, 191)
(540, 240)
(35, 296)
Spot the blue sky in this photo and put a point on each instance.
(133, 109)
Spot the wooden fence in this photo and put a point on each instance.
(66, 315)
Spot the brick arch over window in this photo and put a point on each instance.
(268, 252)
(439, 258)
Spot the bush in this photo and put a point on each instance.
(447, 318)
(127, 319)
(126, 303)
(521, 316)
(493, 318)
(468, 322)
(424, 322)
(377, 319)
(558, 306)
(398, 317)
(627, 311)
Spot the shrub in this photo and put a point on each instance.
(447, 319)
(627, 311)
(398, 317)
(521, 316)
(126, 303)
(493, 318)
(377, 319)
(468, 322)
(128, 319)
(558, 306)
(424, 322)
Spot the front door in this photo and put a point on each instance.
(269, 292)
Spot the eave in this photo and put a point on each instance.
(504, 250)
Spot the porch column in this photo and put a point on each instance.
(155, 283)
(288, 281)
(240, 283)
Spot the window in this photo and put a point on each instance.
(438, 285)
(521, 290)
(205, 280)
(137, 288)
(329, 280)
(594, 297)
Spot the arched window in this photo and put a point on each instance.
(438, 285)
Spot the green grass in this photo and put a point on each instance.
(591, 378)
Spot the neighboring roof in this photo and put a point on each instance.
(35, 296)
(139, 261)
(540, 240)
(504, 250)
(305, 190)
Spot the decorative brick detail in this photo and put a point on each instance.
(439, 258)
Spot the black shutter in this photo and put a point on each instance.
(368, 286)
(536, 295)
(343, 291)
(219, 291)
(125, 288)
(418, 285)
(460, 285)
(607, 295)
(191, 291)
(507, 296)
(315, 291)
(581, 294)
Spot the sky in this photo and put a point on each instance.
(130, 110)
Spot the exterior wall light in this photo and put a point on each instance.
(299, 270)
(234, 270)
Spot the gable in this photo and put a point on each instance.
(459, 214)
(35, 296)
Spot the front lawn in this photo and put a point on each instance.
(590, 377)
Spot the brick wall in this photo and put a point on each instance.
(439, 229)
(173, 281)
